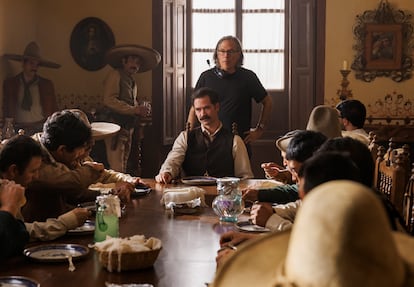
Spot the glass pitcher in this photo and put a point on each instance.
(228, 204)
(108, 211)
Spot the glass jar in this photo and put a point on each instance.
(108, 211)
(8, 128)
(228, 204)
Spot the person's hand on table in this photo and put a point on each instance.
(123, 190)
(260, 213)
(233, 238)
(228, 243)
(164, 177)
(81, 214)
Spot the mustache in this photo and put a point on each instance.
(205, 118)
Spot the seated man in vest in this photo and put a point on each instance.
(210, 149)
(20, 160)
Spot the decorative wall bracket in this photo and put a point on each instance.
(383, 44)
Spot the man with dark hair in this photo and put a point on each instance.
(361, 156)
(209, 149)
(352, 114)
(20, 160)
(236, 87)
(62, 183)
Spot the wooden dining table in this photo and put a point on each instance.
(189, 247)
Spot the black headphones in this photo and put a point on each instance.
(221, 73)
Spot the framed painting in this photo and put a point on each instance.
(383, 46)
(91, 38)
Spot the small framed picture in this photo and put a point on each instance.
(383, 46)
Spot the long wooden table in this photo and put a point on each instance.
(189, 243)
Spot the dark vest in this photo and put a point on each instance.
(126, 86)
(215, 159)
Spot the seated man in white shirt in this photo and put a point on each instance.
(208, 150)
(352, 114)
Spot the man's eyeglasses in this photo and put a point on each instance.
(230, 52)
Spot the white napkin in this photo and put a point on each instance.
(182, 195)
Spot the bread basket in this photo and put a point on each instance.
(131, 253)
(128, 260)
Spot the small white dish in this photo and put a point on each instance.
(250, 227)
(18, 281)
(87, 228)
(56, 252)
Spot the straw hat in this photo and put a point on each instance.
(322, 119)
(32, 51)
(283, 142)
(325, 119)
(150, 57)
(341, 237)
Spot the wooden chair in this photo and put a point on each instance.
(391, 176)
(373, 145)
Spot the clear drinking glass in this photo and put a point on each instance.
(228, 204)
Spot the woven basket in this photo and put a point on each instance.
(129, 260)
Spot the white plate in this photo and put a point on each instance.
(17, 281)
(260, 184)
(250, 227)
(56, 252)
(87, 228)
(101, 130)
(199, 180)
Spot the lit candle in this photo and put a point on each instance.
(345, 65)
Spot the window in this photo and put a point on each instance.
(260, 25)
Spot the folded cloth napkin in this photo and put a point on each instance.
(181, 195)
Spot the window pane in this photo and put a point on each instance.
(200, 65)
(197, 4)
(263, 4)
(207, 29)
(274, 32)
(268, 67)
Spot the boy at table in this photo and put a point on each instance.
(20, 160)
(206, 150)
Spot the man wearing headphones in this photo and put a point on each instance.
(236, 87)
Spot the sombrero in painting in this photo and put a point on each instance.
(150, 57)
(32, 51)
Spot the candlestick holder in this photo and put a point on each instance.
(344, 93)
